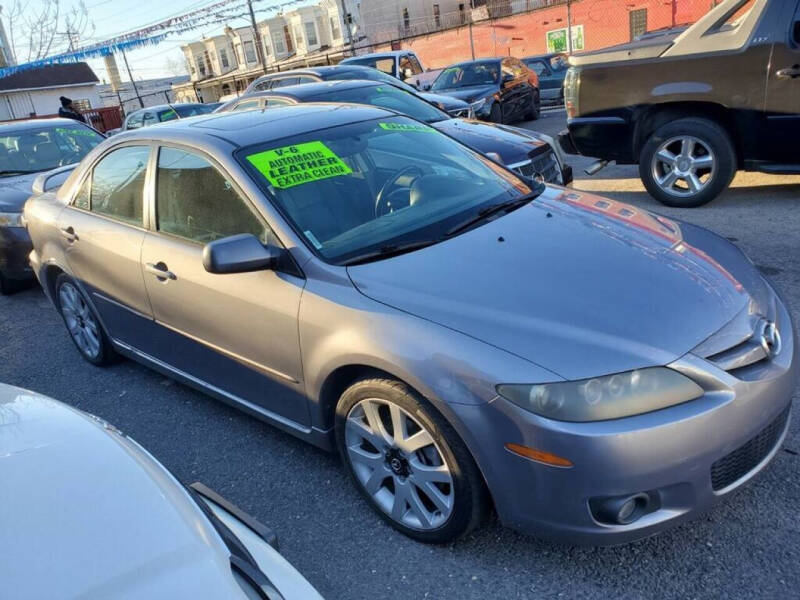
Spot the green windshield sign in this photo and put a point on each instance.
(302, 163)
(406, 127)
(76, 131)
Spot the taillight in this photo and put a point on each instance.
(572, 84)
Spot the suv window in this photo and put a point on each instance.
(196, 202)
(118, 183)
(538, 67)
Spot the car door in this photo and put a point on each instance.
(236, 332)
(783, 94)
(103, 230)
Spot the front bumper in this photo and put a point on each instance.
(607, 138)
(667, 454)
(15, 245)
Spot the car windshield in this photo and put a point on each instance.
(484, 73)
(370, 75)
(386, 96)
(32, 150)
(191, 110)
(385, 64)
(377, 186)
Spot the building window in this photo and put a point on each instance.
(280, 46)
(250, 51)
(223, 58)
(311, 33)
(335, 31)
(638, 22)
(287, 35)
(406, 20)
(437, 17)
(201, 65)
(82, 104)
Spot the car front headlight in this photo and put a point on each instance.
(11, 219)
(478, 104)
(603, 398)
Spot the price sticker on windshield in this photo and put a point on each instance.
(298, 164)
(406, 127)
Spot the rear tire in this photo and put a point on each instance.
(688, 162)
(535, 108)
(418, 475)
(82, 323)
(496, 113)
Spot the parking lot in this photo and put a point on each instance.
(747, 547)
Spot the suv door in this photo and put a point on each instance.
(783, 93)
(103, 231)
(236, 332)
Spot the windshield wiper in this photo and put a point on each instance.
(486, 212)
(388, 251)
(17, 172)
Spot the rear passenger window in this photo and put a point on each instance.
(196, 202)
(118, 183)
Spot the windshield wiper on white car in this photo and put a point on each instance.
(486, 212)
(388, 251)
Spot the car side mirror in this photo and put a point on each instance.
(241, 253)
(425, 87)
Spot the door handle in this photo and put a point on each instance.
(792, 72)
(160, 271)
(69, 234)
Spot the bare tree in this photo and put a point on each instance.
(175, 66)
(40, 28)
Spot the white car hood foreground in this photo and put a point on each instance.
(86, 513)
(578, 284)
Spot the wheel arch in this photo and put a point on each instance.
(657, 115)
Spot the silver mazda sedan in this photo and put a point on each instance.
(465, 338)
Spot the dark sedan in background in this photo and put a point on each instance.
(28, 148)
(523, 151)
(501, 90)
(452, 106)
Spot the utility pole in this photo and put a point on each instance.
(569, 26)
(130, 75)
(347, 22)
(471, 40)
(257, 36)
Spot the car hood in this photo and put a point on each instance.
(15, 190)
(447, 103)
(86, 512)
(512, 145)
(580, 285)
(470, 93)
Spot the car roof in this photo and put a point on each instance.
(306, 90)
(244, 128)
(379, 54)
(319, 71)
(13, 126)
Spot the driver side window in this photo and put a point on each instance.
(196, 202)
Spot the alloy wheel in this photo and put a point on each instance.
(683, 166)
(399, 465)
(82, 325)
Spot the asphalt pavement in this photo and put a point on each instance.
(746, 547)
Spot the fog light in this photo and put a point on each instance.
(622, 510)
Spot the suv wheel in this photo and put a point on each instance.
(534, 108)
(83, 325)
(688, 162)
(408, 462)
(496, 113)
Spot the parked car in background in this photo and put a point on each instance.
(526, 152)
(694, 108)
(551, 69)
(153, 115)
(459, 333)
(405, 65)
(452, 106)
(501, 90)
(91, 514)
(28, 148)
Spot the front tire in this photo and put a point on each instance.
(408, 462)
(535, 108)
(688, 162)
(82, 323)
(496, 113)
